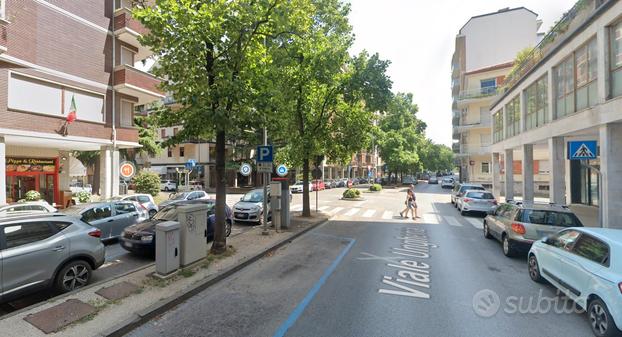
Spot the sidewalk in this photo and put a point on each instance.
(112, 307)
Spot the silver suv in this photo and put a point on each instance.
(517, 225)
(39, 251)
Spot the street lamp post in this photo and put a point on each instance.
(265, 189)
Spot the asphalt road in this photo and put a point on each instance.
(350, 277)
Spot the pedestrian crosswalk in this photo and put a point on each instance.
(356, 211)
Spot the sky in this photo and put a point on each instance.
(418, 38)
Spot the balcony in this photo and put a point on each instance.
(474, 149)
(478, 93)
(484, 123)
(133, 82)
(128, 30)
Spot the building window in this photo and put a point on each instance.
(537, 104)
(127, 57)
(585, 60)
(170, 152)
(498, 126)
(175, 130)
(163, 133)
(512, 116)
(182, 151)
(564, 88)
(616, 59)
(485, 167)
(127, 113)
(488, 86)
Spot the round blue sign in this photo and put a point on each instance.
(281, 170)
(245, 169)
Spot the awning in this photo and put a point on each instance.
(76, 169)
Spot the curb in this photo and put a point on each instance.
(139, 318)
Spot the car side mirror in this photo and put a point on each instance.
(242, 198)
(548, 240)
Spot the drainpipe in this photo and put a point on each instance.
(114, 103)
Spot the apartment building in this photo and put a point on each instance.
(569, 89)
(485, 48)
(68, 83)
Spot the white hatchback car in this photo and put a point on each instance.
(586, 265)
(28, 207)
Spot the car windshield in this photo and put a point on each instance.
(465, 188)
(480, 195)
(253, 196)
(180, 196)
(550, 218)
(168, 213)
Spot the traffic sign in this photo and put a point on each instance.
(264, 154)
(127, 170)
(282, 170)
(582, 150)
(190, 164)
(317, 173)
(264, 167)
(246, 169)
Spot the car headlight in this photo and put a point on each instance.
(147, 238)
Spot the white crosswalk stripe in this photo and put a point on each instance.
(477, 223)
(352, 212)
(387, 215)
(335, 210)
(369, 213)
(430, 219)
(452, 221)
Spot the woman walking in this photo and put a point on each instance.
(410, 204)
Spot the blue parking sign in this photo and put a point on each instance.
(264, 154)
(582, 150)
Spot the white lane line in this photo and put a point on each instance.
(352, 211)
(387, 215)
(336, 210)
(323, 208)
(453, 221)
(369, 213)
(430, 219)
(477, 223)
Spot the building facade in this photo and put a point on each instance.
(481, 61)
(569, 89)
(59, 56)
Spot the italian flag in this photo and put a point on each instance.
(71, 116)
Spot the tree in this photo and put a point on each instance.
(437, 157)
(90, 159)
(211, 54)
(327, 96)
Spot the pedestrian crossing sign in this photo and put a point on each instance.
(582, 150)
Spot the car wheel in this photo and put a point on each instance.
(227, 228)
(73, 275)
(534, 269)
(601, 322)
(508, 250)
(487, 234)
(152, 212)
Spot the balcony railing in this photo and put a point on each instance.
(475, 149)
(133, 82)
(477, 93)
(571, 20)
(128, 30)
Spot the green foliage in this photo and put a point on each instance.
(147, 182)
(84, 196)
(147, 135)
(375, 188)
(437, 157)
(32, 195)
(351, 193)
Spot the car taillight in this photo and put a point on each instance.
(467, 200)
(518, 228)
(95, 233)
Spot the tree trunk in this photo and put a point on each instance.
(219, 245)
(306, 206)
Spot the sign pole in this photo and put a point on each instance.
(265, 189)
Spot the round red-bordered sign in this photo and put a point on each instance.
(127, 170)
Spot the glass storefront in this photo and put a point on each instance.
(585, 183)
(28, 174)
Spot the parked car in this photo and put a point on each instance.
(459, 190)
(433, 180)
(447, 183)
(330, 183)
(47, 250)
(182, 196)
(250, 207)
(28, 207)
(168, 185)
(517, 225)
(144, 200)
(140, 238)
(409, 180)
(477, 201)
(355, 181)
(363, 181)
(298, 187)
(77, 186)
(342, 182)
(318, 185)
(111, 217)
(583, 264)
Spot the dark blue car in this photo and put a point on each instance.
(140, 238)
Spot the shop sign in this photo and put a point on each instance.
(127, 170)
(23, 165)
